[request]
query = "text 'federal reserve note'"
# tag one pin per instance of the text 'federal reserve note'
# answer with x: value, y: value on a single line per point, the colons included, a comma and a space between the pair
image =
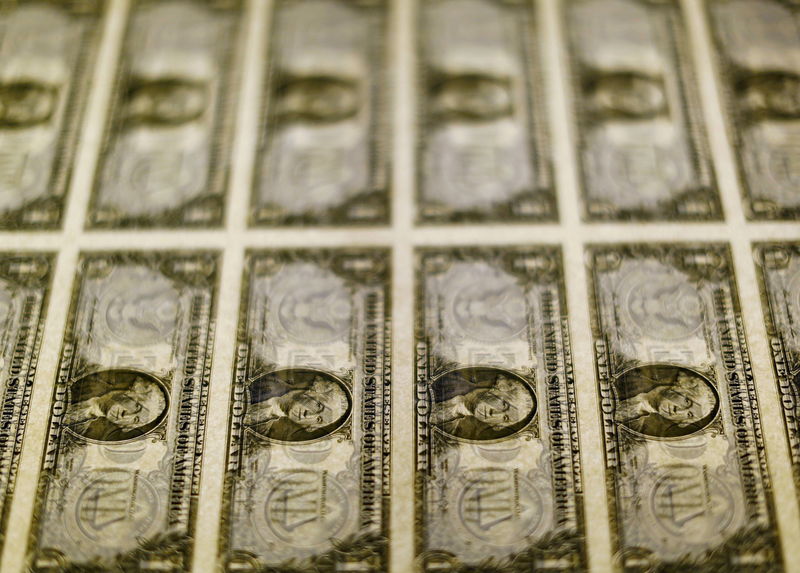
x: 685, y: 462
x: 307, y: 483
x: 758, y: 48
x: 322, y: 156
x: 121, y: 469
x: 24, y: 292
x: 482, y: 153
x: 498, y: 478
x: 47, y: 49
x: 642, y: 151
x: 779, y: 266
x: 165, y: 157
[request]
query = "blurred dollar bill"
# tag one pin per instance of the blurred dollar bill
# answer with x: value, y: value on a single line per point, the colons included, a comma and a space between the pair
x: 642, y: 151
x: 24, y: 291
x: 322, y: 156
x: 165, y: 157
x: 685, y: 460
x: 307, y: 482
x: 497, y: 458
x: 758, y: 48
x: 779, y: 266
x: 482, y: 153
x: 121, y: 468
x: 47, y: 49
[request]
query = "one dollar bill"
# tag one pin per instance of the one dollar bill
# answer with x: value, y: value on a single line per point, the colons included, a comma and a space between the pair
x: 758, y: 51
x: 120, y: 475
x: 24, y: 292
x: 686, y: 470
x: 307, y: 483
x: 322, y: 157
x: 47, y: 49
x: 482, y: 151
x: 498, y: 478
x: 642, y: 150
x: 779, y: 266
x: 166, y: 152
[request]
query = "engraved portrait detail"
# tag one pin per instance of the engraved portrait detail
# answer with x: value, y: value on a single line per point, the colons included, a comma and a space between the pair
x: 297, y: 405
x: 480, y: 404
x: 319, y: 99
x: 471, y: 97
x: 115, y: 405
x: 770, y: 95
x: 165, y: 102
x: 625, y: 95
x: 665, y: 401
x: 26, y: 104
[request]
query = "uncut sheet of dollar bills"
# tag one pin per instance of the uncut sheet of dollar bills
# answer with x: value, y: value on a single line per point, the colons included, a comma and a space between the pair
x: 424, y: 286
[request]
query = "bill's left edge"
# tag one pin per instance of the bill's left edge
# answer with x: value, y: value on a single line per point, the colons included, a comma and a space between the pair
x: 498, y: 475
x: 779, y: 273
x: 25, y: 281
x: 121, y: 467
x: 307, y: 482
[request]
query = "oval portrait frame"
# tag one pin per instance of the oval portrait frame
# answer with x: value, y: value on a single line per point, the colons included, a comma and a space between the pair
x: 520, y: 426
x: 151, y: 427
x: 709, y: 419
x: 330, y: 429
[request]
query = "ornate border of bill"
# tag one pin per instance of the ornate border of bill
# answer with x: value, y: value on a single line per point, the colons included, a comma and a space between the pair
x: 399, y: 285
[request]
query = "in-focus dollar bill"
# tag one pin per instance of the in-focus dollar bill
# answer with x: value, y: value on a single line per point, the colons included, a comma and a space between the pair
x: 24, y: 292
x: 686, y: 471
x: 498, y: 478
x: 166, y: 154
x: 121, y: 468
x: 47, y: 49
x: 322, y: 156
x: 307, y: 483
x: 758, y: 51
x: 482, y: 151
x: 779, y: 266
x: 642, y: 150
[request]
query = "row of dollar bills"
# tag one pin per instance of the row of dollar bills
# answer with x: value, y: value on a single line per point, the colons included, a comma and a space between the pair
x: 497, y: 452
x: 447, y: 286
x: 323, y: 155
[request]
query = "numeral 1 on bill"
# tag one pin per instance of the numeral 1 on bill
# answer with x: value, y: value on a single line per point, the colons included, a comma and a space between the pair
x: 24, y: 291
x: 642, y: 151
x: 779, y: 266
x: 120, y: 476
x: 307, y: 483
x: 166, y: 153
x: 482, y: 153
x: 758, y: 51
x: 46, y: 59
x: 498, y: 479
x: 322, y: 157
x: 685, y: 460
